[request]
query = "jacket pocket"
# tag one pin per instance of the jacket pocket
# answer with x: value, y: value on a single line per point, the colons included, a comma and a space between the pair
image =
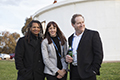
x: 22, y: 72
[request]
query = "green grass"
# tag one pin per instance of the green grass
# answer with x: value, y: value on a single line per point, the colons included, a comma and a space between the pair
x: 109, y: 71
x: 7, y: 70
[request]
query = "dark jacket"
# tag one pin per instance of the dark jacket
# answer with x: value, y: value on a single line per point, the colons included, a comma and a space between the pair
x: 89, y: 53
x: 28, y: 59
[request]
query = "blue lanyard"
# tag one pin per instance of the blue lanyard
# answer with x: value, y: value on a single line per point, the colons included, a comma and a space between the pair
x: 56, y: 46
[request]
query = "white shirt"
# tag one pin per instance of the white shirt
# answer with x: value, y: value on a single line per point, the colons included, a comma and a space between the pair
x: 75, y: 43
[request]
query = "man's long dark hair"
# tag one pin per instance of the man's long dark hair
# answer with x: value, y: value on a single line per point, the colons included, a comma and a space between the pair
x: 28, y: 33
x: 59, y: 33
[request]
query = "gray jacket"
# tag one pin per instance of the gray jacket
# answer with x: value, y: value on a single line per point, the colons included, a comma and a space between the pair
x: 50, y: 57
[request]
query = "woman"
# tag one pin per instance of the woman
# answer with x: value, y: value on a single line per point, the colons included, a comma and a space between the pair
x: 54, y: 49
x: 28, y: 57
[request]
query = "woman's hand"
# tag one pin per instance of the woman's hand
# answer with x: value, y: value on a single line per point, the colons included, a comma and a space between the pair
x: 59, y: 76
x: 61, y: 72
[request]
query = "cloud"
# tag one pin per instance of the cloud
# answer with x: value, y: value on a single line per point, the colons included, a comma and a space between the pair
x: 12, y: 17
x: 11, y: 29
x: 14, y: 12
x: 10, y: 2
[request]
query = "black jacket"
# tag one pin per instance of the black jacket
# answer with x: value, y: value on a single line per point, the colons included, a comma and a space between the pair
x: 89, y: 53
x: 28, y: 59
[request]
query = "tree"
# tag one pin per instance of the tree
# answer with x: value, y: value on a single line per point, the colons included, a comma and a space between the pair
x: 0, y: 44
x: 0, y: 49
x: 8, y: 42
x: 24, y: 29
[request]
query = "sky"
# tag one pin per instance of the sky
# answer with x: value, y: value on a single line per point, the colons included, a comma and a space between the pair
x: 14, y: 12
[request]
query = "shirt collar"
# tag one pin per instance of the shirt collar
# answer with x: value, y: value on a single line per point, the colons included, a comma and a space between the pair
x: 79, y: 35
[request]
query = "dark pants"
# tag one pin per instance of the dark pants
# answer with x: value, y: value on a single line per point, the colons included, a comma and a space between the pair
x: 74, y: 75
x: 50, y: 77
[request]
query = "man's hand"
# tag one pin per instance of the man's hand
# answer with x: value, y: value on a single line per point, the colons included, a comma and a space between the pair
x: 69, y: 59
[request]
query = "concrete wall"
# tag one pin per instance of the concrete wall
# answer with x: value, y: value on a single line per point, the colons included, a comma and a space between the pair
x: 100, y: 15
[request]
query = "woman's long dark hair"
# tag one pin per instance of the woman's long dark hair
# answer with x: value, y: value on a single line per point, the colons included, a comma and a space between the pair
x: 59, y: 33
x: 28, y: 34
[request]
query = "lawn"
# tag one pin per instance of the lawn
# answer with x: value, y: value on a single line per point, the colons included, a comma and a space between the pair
x: 7, y: 70
x: 109, y: 71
